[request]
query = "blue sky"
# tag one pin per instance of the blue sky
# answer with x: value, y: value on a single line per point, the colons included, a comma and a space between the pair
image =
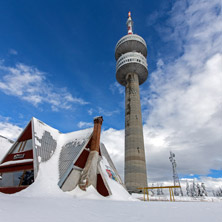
x: 72, y: 43
x: 57, y: 64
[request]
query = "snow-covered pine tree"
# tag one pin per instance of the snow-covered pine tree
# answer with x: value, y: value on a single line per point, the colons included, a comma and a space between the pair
x: 199, y: 192
x: 188, y: 189
x: 218, y: 192
x: 194, y: 189
x: 152, y: 191
x: 158, y: 190
x: 161, y: 189
x: 204, y: 191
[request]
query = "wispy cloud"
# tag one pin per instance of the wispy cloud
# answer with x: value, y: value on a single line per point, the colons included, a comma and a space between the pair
x: 107, y: 112
x: 85, y: 124
x: 13, y: 52
x: 116, y: 87
x: 31, y: 85
x: 102, y: 112
x: 90, y: 111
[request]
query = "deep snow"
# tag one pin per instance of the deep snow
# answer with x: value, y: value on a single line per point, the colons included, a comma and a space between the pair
x: 67, y: 208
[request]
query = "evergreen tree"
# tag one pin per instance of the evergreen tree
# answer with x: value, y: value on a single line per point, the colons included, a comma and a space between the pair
x: 158, y: 190
x: 188, y: 189
x: 204, y: 189
x: 194, y: 194
x: 218, y: 192
x: 152, y: 191
x: 161, y: 190
x: 199, y: 190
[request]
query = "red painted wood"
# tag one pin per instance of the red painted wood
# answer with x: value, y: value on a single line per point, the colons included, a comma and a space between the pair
x: 16, y: 167
x: 28, y: 155
x: 89, y: 146
x: 81, y: 161
x: 101, y: 188
x: 10, y: 190
x: 27, y: 134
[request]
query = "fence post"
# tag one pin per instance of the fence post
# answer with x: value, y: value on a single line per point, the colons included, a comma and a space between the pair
x: 170, y: 194
x: 148, y: 199
x: 144, y: 194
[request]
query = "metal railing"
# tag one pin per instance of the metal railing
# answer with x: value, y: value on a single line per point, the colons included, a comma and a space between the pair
x: 130, y: 37
x: 131, y: 57
x: 146, y: 191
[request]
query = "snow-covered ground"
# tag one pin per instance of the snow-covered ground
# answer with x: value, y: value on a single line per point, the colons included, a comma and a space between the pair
x: 65, y: 208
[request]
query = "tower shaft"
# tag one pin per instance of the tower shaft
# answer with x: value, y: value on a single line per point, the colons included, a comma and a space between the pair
x: 135, y: 163
x: 132, y: 71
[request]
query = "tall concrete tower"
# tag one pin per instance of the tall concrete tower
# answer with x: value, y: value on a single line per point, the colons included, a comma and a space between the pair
x: 132, y: 71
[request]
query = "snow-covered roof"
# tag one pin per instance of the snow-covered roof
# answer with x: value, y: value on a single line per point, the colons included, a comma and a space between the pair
x: 5, y: 145
x: 73, y: 144
x: 46, y: 140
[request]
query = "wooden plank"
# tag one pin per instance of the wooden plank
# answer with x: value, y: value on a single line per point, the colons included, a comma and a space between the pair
x: 16, y: 167
x: 10, y: 190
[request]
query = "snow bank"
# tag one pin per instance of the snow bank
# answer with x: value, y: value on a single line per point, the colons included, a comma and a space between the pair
x: 57, y: 209
x: 47, y: 180
x: 90, y: 193
x: 118, y: 191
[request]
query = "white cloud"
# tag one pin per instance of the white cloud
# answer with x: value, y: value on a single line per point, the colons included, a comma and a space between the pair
x: 107, y: 112
x: 182, y: 108
x: 117, y: 87
x: 186, y: 99
x: 102, y: 112
x: 84, y: 124
x: 31, y: 85
x: 90, y: 112
x: 114, y: 142
x: 9, y: 130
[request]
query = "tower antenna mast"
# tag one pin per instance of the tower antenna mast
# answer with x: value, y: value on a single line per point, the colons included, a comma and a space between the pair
x: 175, y: 175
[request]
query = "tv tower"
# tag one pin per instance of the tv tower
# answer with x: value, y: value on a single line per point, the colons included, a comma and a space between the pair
x: 175, y: 175
x: 132, y: 71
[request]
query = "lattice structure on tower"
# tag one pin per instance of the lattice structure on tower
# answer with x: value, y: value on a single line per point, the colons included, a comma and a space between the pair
x: 177, y: 191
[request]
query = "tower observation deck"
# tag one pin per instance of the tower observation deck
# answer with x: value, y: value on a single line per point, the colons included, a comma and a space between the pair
x: 132, y: 71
